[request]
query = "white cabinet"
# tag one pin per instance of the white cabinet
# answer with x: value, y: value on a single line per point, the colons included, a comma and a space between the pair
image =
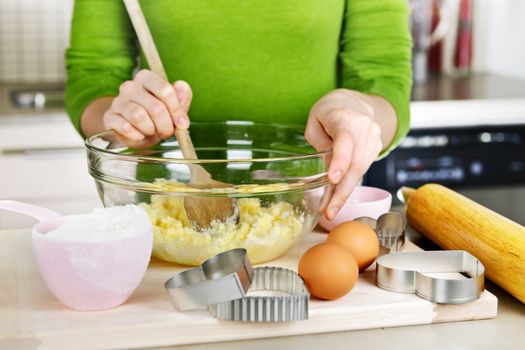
x: 43, y: 162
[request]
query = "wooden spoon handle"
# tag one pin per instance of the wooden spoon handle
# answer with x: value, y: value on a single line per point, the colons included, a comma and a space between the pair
x: 145, y: 39
x: 185, y: 144
x: 152, y: 56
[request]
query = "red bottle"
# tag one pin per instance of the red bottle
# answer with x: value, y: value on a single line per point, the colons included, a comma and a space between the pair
x: 463, y: 52
x: 435, y: 52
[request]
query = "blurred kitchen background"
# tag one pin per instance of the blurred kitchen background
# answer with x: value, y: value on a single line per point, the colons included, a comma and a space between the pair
x: 468, y: 109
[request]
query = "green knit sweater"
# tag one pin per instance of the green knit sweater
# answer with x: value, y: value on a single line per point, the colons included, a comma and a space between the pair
x: 260, y: 60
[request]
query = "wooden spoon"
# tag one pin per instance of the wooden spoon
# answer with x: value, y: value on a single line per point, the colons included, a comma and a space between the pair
x: 201, y: 211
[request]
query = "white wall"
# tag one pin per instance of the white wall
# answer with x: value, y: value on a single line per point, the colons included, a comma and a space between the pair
x: 33, y: 35
x: 499, y: 37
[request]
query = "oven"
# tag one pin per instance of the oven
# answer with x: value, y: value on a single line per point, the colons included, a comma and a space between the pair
x: 480, y: 155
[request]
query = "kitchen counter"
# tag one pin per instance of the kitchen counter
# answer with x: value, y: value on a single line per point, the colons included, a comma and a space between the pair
x: 442, y: 102
x: 29, y: 99
x: 503, y: 332
x: 474, y: 100
x: 470, y: 87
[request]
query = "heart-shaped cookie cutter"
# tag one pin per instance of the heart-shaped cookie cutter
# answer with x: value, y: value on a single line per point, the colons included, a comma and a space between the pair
x: 390, y: 229
x: 411, y: 272
x: 221, y: 278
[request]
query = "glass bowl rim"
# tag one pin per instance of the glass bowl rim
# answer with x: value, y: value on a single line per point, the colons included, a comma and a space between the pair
x: 88, y: 142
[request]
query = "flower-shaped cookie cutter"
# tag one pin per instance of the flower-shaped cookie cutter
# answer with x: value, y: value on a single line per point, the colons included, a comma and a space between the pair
x: 390, y: 229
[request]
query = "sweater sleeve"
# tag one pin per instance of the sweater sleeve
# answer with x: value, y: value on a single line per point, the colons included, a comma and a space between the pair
x: 376, y: 55
x: 102, y: 54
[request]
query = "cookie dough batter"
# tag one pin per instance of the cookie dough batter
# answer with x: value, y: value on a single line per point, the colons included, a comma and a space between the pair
x: 265, y: 232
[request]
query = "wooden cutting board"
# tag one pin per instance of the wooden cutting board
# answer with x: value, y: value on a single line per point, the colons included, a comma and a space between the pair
x: 31, y: 318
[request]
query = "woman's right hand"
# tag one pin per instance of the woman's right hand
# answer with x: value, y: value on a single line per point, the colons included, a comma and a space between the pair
x: 148, y: 109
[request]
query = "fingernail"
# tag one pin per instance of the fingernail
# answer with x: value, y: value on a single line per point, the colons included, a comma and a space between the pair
x: 331, y: 212
x: 180, y: 89
x: 183, y: 122
x: 336, y: 176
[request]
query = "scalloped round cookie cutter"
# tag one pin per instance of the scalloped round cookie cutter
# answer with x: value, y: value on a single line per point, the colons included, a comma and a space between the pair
x: 276, y: 295
x: 414, y: 272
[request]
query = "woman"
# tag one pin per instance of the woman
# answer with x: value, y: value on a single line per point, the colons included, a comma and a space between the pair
x: 341, y: 68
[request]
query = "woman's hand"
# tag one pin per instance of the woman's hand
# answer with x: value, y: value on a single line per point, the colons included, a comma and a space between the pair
x: 148, y: 109
x: 344, y: 120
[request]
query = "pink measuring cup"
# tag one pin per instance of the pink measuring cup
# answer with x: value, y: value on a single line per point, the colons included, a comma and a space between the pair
x: 86, y: 275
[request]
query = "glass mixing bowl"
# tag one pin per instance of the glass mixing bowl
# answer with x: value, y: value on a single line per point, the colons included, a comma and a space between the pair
x: 276, y: 178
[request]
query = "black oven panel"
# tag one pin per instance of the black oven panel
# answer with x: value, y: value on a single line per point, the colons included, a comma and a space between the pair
x: 458, y: 158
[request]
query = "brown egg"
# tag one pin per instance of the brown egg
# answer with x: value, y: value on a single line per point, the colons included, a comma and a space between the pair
x: 359, y: 239
x: 328, y: 271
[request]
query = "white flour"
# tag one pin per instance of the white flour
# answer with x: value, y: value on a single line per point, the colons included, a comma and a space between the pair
x: 104, y: 224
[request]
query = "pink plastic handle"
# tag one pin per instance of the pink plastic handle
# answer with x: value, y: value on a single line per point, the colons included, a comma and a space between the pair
x: 39, y: 213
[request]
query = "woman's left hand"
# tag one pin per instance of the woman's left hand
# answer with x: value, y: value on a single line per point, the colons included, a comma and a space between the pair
x: 344, y: 121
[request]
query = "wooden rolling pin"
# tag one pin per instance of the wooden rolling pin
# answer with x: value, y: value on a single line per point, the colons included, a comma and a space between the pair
x: 456, y: 222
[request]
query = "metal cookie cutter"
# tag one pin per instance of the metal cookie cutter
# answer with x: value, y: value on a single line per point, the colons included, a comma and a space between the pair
x: 276, y: 295
x: 225, y: 276
x: 408, y: 272
x: 390, y: 230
